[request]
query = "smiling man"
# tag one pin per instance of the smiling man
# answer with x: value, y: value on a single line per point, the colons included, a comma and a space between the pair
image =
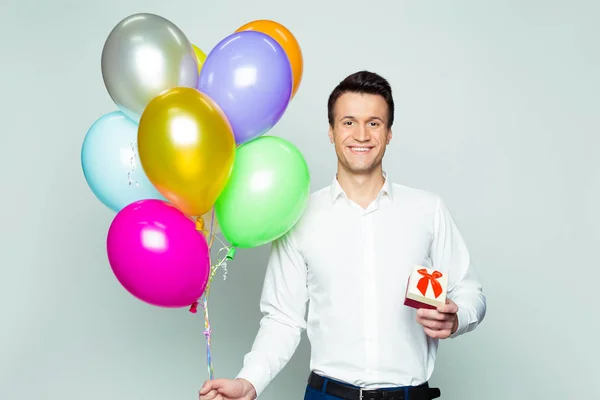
x: 348, y: 260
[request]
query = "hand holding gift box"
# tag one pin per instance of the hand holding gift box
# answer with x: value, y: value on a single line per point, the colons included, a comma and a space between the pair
x: 426, y: 288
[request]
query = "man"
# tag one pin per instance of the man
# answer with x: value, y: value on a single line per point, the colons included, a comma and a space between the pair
x: 349, y: 258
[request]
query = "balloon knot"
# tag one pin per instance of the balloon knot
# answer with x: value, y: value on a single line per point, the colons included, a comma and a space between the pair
x: 231, y: 254
x: 200, y: 224
x: 194, y: 307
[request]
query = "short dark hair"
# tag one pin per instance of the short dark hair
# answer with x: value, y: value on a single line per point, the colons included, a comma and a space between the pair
x: 363, y: 82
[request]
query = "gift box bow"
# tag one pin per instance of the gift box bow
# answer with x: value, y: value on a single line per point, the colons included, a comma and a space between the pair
x: 430, y: 278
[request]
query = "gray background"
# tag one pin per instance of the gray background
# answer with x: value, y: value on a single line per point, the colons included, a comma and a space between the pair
x: 497, y: 111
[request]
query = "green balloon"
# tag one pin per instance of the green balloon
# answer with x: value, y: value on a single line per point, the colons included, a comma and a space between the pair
x: 266, y: 194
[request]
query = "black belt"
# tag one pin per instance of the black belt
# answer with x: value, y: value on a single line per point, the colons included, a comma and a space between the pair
x: 421, y: 392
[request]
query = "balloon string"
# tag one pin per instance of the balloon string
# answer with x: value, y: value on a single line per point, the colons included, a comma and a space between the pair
x: 132, y: 165
x: 212, y: 226
x: 213, y: 271
x: 215, y: 268
x: 208, y: 334
x: 207, y: 327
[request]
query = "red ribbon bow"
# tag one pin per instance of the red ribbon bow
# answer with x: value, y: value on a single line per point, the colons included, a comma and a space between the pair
x: 435, y: 284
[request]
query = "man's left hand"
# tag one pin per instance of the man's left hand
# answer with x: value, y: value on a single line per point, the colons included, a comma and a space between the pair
x: 440, y: 323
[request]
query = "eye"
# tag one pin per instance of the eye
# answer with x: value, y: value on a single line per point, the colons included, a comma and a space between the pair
x: 347, y: 123
x: 374, y: 124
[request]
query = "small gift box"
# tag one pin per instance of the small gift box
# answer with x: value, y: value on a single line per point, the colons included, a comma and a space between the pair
x: 426, y: 288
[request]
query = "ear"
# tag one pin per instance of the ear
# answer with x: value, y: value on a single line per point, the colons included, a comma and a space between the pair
x: 389, y: 136
x: 330, y: 134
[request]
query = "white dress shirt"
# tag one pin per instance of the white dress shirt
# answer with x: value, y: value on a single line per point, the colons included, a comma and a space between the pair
x: 350, y: 265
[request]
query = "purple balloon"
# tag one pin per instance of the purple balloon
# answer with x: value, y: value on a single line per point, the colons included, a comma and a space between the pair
x: 248, y: 74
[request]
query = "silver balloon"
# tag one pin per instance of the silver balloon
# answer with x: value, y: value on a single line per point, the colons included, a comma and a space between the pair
x: 144, y: 55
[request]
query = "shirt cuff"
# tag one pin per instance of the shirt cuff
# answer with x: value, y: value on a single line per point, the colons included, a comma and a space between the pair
x: 256, y: 376
x: 463, y: 321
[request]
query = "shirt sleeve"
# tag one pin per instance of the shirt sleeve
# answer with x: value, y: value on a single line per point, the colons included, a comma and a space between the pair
x: 283, y: 305
x: 449, y: 253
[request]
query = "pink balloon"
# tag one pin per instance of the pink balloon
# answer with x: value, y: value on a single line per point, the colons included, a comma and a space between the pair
x: 157, y: 255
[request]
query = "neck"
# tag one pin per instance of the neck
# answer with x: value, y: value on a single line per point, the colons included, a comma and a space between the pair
x: 361, y: 188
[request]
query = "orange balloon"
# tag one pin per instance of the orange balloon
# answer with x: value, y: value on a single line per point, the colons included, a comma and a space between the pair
x: 286, y: 39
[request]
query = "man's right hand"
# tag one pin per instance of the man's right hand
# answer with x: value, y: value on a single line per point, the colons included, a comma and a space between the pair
x: 227, y: 389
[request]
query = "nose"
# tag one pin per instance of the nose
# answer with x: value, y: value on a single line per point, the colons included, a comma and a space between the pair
x: 361, y: 134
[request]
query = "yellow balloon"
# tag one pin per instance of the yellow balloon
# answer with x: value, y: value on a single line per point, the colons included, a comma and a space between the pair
x: 187, y: 148
x: 200, y: 56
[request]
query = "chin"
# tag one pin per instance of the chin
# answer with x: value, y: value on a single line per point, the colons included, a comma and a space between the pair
x: 360, y: 169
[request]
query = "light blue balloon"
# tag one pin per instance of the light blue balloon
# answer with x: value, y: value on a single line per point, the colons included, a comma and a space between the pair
x: 111, y: 164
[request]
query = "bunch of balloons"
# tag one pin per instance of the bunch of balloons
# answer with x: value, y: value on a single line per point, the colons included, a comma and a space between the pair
x: 187, y: 145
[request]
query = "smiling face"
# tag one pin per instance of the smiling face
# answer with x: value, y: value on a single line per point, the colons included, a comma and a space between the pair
x: 360, y: 131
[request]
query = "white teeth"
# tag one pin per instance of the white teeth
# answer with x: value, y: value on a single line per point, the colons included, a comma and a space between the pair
x: 360, y: 149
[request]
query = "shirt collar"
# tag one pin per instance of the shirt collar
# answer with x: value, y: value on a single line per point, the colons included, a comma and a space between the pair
x: 337, y: 191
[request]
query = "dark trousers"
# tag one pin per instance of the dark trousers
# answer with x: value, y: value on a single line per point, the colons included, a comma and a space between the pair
x: 312, y: 393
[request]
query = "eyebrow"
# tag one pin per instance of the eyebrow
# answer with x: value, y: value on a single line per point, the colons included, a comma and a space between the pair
x: 371, y: 117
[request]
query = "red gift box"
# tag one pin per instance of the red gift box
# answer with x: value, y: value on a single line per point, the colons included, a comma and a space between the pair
x: 426, y: 288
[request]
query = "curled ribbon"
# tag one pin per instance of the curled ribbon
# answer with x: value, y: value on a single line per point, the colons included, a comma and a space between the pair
x: 433, y: 278
x: 201, y: 228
